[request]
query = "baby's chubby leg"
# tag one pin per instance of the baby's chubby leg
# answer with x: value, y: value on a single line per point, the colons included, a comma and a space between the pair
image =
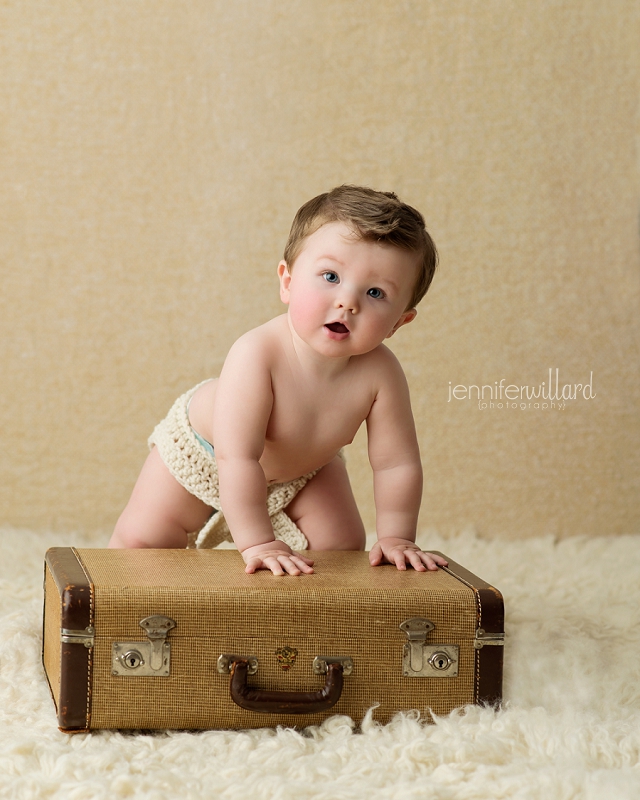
x: 160, y: 511
x: 326, y: 511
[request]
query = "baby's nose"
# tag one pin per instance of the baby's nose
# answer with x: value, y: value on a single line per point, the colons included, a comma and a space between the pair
x: 347, y: 299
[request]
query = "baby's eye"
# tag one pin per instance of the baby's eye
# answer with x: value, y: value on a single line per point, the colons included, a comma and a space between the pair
x: 330, y: 277
x: 376, y: 293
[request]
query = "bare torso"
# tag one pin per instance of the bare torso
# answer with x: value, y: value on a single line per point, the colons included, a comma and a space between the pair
x: 312, y: 416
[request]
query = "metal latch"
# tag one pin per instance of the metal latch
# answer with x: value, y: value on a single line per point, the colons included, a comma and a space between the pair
x: 85, y: 637
x: 483, y: 638
x: 421, y: 660
x: 148, y: 659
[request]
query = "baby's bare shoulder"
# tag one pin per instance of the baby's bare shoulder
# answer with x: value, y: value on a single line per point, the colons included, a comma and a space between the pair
x: 260, y: 343
x: 382, y: 364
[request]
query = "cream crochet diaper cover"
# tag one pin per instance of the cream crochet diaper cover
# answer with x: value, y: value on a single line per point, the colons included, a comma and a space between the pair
x: 196, y: 469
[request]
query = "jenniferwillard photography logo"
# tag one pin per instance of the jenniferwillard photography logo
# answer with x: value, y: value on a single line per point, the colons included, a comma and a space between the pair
x: 549, y: 394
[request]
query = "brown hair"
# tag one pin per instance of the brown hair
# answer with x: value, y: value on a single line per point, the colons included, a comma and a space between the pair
x: 374, y: 216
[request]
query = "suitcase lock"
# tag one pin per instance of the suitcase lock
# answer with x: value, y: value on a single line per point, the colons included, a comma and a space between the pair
x: 421, y: 660
x: 148, y: 659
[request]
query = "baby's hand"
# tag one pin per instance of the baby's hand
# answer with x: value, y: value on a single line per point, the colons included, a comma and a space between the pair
x: 276, y: 556
x: 402, y: 552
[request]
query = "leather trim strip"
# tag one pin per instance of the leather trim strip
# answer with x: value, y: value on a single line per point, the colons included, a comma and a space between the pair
x: 76, y: 660
x: 490, y: 609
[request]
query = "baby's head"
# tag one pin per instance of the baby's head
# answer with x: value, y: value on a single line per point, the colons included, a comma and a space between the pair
x: 373, y: 216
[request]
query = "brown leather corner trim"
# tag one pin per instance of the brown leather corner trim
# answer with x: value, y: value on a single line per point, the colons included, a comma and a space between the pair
x: 76, y: 660
x: 490, y: 666
x: 491, y: 605
x: 490, y: 609
x: 74, y: 587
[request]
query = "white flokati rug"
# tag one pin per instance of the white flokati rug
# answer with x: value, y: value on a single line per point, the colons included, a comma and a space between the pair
x: 570, y: 727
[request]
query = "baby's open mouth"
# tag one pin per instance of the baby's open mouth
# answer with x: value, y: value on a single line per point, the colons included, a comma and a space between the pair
x: 337, y: 327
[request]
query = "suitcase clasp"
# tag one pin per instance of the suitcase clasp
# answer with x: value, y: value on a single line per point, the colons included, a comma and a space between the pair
x: 157, y: 628
x: 416, y: 630
x: 421, y: 660
x: 149, y: 659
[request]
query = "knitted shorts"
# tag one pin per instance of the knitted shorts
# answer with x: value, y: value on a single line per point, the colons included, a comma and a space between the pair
x: 196, y: 469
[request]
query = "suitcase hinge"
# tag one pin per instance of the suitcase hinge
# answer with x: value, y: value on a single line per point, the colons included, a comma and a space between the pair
x: 483, y: 638
x: 85, y: 637
x: 146, y: 659
x: 422, y: 660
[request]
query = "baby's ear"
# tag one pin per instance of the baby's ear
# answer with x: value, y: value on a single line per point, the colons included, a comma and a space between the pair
x: 285, y: 280
x: 405, y: 319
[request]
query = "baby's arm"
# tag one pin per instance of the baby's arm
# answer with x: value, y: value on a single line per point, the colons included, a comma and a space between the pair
x: 397, y: 472
x: 242, y: 407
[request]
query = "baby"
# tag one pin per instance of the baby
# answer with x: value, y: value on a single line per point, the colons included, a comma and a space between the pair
x: 292, y: 393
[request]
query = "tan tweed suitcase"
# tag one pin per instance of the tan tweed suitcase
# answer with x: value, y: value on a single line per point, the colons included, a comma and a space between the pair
x: 153, y: 639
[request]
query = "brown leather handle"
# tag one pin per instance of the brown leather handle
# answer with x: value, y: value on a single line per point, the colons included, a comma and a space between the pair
x: 271, y: 702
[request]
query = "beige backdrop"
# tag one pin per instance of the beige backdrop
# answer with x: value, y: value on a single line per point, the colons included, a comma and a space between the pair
x: 153, y: 155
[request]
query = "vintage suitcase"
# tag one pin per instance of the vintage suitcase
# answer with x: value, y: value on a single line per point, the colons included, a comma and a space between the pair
x: 154, y: 639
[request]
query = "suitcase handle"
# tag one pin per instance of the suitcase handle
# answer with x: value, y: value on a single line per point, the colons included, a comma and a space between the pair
x: 272, y: 702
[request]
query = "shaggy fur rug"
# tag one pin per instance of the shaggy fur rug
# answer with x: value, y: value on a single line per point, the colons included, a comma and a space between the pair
x: 570, y: 726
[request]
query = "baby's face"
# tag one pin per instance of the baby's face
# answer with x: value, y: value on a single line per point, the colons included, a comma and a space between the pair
x: 347, y: 295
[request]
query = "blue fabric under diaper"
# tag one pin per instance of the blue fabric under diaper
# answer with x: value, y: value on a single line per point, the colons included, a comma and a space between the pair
x: 207, y: 445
